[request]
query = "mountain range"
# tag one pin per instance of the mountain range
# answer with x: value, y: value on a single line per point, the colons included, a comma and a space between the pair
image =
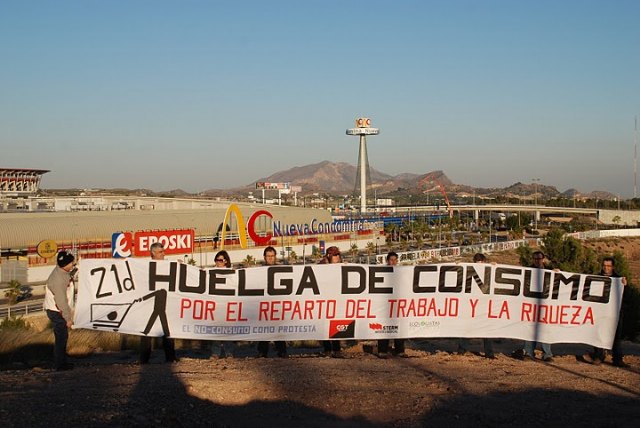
x: 339, y: 178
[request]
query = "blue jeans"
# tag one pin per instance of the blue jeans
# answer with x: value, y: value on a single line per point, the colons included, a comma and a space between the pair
x: 529, y: 347
x: 61, y: 334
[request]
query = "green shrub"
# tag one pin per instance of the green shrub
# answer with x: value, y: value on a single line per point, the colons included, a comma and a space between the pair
x: 16, y: 323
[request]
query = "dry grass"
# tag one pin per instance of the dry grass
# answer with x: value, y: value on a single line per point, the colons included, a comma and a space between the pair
x: 33, y: 346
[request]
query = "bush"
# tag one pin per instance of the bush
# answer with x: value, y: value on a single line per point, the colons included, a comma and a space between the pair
x: 569, y: 255
x: 13, y: 291
x: 14, y: 323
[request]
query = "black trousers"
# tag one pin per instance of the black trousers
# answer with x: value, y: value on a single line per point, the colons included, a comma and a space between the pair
x: 61, y: 334
x: 398, y: 346
x: 280, y: 345
x: 331, y: 345
x: 167, y: 344
x: 616, y: 349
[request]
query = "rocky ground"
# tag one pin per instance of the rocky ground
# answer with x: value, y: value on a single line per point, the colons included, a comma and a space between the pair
x: 432, y: 386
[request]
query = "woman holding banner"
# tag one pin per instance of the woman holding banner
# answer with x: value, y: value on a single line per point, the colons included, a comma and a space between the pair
x: 332, y: 348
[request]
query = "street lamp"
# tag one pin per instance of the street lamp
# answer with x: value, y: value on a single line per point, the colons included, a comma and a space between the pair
x: 535, y: 198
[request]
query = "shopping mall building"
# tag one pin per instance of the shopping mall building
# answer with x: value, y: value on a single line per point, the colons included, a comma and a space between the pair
x: 192, y: 230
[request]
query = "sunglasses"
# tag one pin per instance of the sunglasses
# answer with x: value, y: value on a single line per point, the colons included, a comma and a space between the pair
x: 221, y: 260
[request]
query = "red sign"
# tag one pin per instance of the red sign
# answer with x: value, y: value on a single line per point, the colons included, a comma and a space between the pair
x: 173, y: 241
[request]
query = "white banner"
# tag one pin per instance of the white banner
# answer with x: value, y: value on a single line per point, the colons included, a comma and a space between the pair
x: 347, y: 301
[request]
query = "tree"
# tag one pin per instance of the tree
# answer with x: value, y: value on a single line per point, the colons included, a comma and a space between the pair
x: 354, y: 251
x: 293, y: 257
x: 371, y: 248
x: 616, y: 220
x: 13, y: 291
x: 249, y: 260
x: 568, y: 254
x: 315, y: 253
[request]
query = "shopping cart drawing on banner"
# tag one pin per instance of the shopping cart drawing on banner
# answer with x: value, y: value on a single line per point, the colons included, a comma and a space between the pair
x: 109, y: 315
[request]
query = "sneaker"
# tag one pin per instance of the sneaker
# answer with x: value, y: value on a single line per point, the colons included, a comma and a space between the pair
x: 547, y: 359
x: 383, y: 355
x: 337, y: 354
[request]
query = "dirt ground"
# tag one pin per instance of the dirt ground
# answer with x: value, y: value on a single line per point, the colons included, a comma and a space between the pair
x: 432, y: 386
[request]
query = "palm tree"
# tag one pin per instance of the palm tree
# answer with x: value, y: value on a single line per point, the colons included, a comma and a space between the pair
x: 13, y: 291
x: 354, y: 251
x: 249, y: 260
x: 371, y: 249
x: 315, y: 253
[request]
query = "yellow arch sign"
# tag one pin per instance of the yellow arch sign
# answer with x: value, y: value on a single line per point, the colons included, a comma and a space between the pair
x: 242, y: 230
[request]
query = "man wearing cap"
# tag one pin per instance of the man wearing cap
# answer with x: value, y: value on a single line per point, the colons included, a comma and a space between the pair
x: 57, y: 302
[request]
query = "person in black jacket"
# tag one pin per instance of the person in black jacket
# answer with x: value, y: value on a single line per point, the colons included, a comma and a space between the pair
x: 598, y: 355
x: 269, y: 255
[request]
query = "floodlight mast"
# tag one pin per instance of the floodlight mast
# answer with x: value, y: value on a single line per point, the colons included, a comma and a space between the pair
x: 362, y: 129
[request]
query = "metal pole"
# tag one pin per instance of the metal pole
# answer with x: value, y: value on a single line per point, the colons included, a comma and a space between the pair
x: 363, y: 175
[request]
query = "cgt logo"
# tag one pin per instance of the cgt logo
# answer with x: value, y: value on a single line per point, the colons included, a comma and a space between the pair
x: 121, y: 245
x: 342, y: 329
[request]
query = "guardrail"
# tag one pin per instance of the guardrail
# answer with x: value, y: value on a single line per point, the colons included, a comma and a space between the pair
x: 21, y: 310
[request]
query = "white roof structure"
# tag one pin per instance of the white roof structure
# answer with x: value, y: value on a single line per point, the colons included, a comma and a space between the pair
x: 20, y: 181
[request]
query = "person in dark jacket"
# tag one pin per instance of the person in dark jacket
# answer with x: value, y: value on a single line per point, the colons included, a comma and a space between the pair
x: 599, y: 354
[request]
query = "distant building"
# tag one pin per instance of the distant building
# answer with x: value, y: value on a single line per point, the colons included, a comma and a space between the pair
x: 20, y: 181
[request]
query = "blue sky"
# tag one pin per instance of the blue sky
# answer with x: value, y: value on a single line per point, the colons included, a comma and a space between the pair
x: 216, y: 94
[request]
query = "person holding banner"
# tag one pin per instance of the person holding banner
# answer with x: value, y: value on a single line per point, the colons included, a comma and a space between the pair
x: 222, y: 259
x: 598, y: 355
x: 157, y: 253
x: 463, y: 343
x: 332, y: 348
x: 528, y: 352
x: 398, y: 344
x: 269, y: 255
x: 58, y: 298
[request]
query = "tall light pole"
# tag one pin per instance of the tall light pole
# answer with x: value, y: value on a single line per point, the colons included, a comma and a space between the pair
x: 363, y: 128
x: 535, y: 198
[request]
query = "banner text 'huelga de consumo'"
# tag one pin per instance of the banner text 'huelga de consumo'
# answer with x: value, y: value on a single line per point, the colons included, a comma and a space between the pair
x: 345, y: 301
